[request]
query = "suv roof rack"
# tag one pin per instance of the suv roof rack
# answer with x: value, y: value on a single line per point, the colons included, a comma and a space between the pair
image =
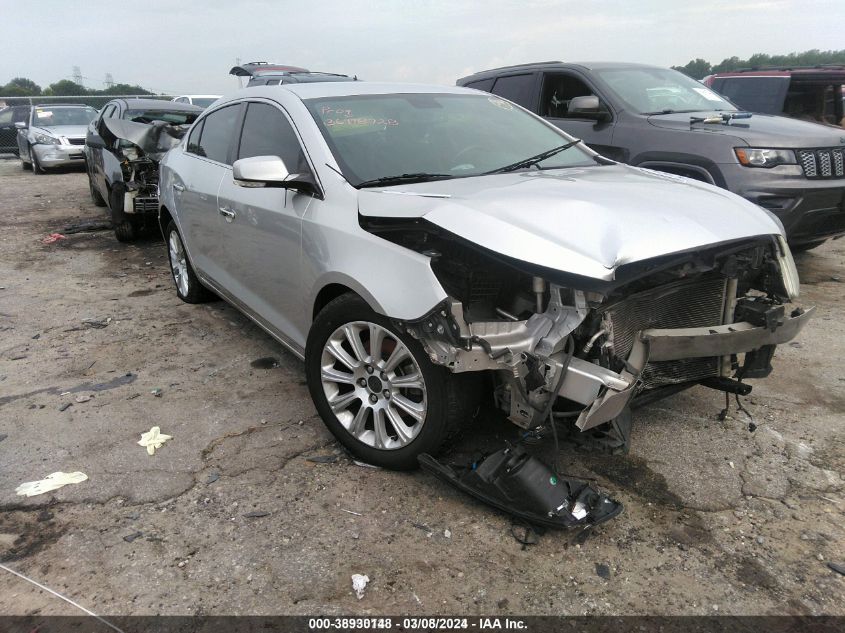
x: 251, y: 68
x: 752, y: 69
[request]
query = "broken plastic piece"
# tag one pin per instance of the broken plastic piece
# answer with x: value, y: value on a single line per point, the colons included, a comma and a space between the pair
x: 51, y: 482
x: 53, y: 237
x: 359, y: 584
x: 523, y: 486
x: 153, y: 439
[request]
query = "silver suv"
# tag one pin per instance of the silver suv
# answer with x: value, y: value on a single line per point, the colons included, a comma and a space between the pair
x: 406, y: 240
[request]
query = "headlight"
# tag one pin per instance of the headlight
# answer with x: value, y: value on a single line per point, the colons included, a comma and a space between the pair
x: 46, y: 139
x: 788, y: 272
x: 756, y: 157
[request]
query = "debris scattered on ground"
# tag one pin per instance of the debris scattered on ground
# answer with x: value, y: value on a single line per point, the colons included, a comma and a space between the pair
x: 267, y: 362
x: 66, y: 406
x: 839, y: 568
x: 322, y: 459
x: 96, y: 324
x: 53, y: 237
x: 602, y: 570
x: 365, y: 465
x: 51, y: 482
x: 157, y: 392
x: 447, y: 533
x: 131, y: 537
x: 256, y: 514
x: 17, y: 357
x: 153, y: 439
x: 44, y: 515
x: 3, y: 436
x: 87, y: 227
x: 37, y: 336
x: 133, y: 396
x: 423, y: 527
x: 82, y: 398
x: 359, y: 584
x: 212, y: 477
x: 357, y: 514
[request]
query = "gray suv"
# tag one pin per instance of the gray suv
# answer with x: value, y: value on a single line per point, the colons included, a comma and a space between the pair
x: 661, y: 119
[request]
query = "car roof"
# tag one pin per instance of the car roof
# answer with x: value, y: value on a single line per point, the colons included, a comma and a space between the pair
x: 552, y: 65
x: 198, y: 96
x: 345, y: 89
x: 159, y: 104
x: 833, y: 69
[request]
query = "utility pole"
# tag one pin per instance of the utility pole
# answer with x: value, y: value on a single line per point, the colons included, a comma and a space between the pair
x: 109, y: 82
x: 77, y: 75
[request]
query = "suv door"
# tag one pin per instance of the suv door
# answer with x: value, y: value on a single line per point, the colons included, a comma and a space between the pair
x: 262, y: 225
x: 556, y: 92
x: 206, y: 162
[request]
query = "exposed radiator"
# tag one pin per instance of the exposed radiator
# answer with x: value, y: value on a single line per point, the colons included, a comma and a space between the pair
x: 681, y: 304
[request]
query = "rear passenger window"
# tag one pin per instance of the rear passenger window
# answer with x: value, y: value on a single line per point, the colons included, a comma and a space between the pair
x: 194, y: 139
x: 517, y: 88
x: 218, y: 128
x: 267, y: 132
x: 755, y: 94
x: 484, y: 84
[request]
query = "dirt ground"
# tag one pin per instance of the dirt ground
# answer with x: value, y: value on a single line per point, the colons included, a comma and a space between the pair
x: 231, y: 517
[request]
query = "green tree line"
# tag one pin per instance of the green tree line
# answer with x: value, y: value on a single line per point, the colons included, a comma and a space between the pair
x: 700, y: 68
x: 23, y: 87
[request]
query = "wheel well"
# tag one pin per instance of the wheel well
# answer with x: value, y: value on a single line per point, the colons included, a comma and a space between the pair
x: 164, y: 218
x: 328, y: 294
x: 693, y: 172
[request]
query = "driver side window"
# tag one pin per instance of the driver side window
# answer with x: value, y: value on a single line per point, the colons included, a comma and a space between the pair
x: 267, y: 132
x: 558, y: 91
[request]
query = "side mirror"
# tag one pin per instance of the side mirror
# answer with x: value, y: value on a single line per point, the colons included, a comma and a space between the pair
x: 587, y: 107
x: 270, y: 171
x: 21, y: 125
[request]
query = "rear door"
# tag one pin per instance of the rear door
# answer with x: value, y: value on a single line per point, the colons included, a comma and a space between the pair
x: 262, y: 225
x: 206, y: 161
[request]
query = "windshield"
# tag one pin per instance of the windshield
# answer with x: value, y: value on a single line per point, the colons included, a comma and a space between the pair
x: 178, y: 117
x: 447, y: 135
x: 659, y: 90
x: 51, y: 117
x: 203, y: 102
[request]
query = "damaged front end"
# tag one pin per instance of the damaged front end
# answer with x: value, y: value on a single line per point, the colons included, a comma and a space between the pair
x: 140, y: 148
x: 571, y: 348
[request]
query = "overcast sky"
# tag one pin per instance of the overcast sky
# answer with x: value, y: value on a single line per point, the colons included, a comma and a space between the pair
x: 188, y: 46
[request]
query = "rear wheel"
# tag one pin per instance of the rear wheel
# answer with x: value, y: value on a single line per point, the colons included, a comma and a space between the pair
x: 376, y: 389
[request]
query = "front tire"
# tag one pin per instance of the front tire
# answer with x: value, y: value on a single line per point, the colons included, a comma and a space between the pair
x: 376, y: 389
x: 188, y: 286
x: 36, y: 166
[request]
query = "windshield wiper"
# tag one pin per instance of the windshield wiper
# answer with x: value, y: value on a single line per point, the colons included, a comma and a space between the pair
x: 533, y: 160
x: 403, y: 178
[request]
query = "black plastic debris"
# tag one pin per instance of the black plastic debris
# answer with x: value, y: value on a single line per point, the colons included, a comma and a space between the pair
x: 65, y: 406
x: 256, y: 514
x: 603, y: 570
x: 3, y: 436
x: 839, y: 568
x: 212, y: 477
x: 131, y: 537
x: 525, y: 487
x: 267, y: 362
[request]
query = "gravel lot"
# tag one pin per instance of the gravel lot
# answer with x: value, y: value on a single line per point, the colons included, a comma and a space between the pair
x: 231, y: 517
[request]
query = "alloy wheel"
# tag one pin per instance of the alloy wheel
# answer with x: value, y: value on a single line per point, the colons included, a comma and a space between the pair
x: 373, y: 385
x: 178, y: 263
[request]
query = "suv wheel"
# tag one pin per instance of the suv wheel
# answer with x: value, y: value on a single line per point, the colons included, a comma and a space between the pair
x: 188, y: 287
x: 376, y: 389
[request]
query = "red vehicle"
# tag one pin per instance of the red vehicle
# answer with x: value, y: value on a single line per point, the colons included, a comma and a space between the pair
x: 808, y: 93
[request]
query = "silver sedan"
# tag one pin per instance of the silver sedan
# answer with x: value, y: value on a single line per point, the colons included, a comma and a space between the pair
x: 408, y: 240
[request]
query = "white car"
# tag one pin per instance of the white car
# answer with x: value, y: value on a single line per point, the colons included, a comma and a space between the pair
x: 202, y: 101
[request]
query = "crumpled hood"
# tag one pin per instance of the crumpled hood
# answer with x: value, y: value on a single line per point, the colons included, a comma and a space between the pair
x: 154, y: 139
x: 73, y: 131
x: 585, y: 221
x: 761, y: 130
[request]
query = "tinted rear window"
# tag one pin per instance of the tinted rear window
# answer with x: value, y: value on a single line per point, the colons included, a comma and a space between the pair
x: 755, y: 94
x: 516, y: 88
x: 217, y: 132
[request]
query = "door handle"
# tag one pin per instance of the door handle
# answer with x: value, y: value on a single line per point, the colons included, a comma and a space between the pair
x: 178, y: 187
x: 227, y: 213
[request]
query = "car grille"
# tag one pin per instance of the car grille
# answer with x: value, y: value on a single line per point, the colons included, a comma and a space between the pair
x: 683, y: 304
x: 76, y: 141
x: 822, y: 163
x: 146, y: 205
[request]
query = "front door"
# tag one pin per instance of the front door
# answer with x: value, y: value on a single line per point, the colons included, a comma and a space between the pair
x: 263, y: 225
x: 556, y: 92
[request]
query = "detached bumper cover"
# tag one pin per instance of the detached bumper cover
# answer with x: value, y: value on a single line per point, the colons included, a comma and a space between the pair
x: 720, y: 340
